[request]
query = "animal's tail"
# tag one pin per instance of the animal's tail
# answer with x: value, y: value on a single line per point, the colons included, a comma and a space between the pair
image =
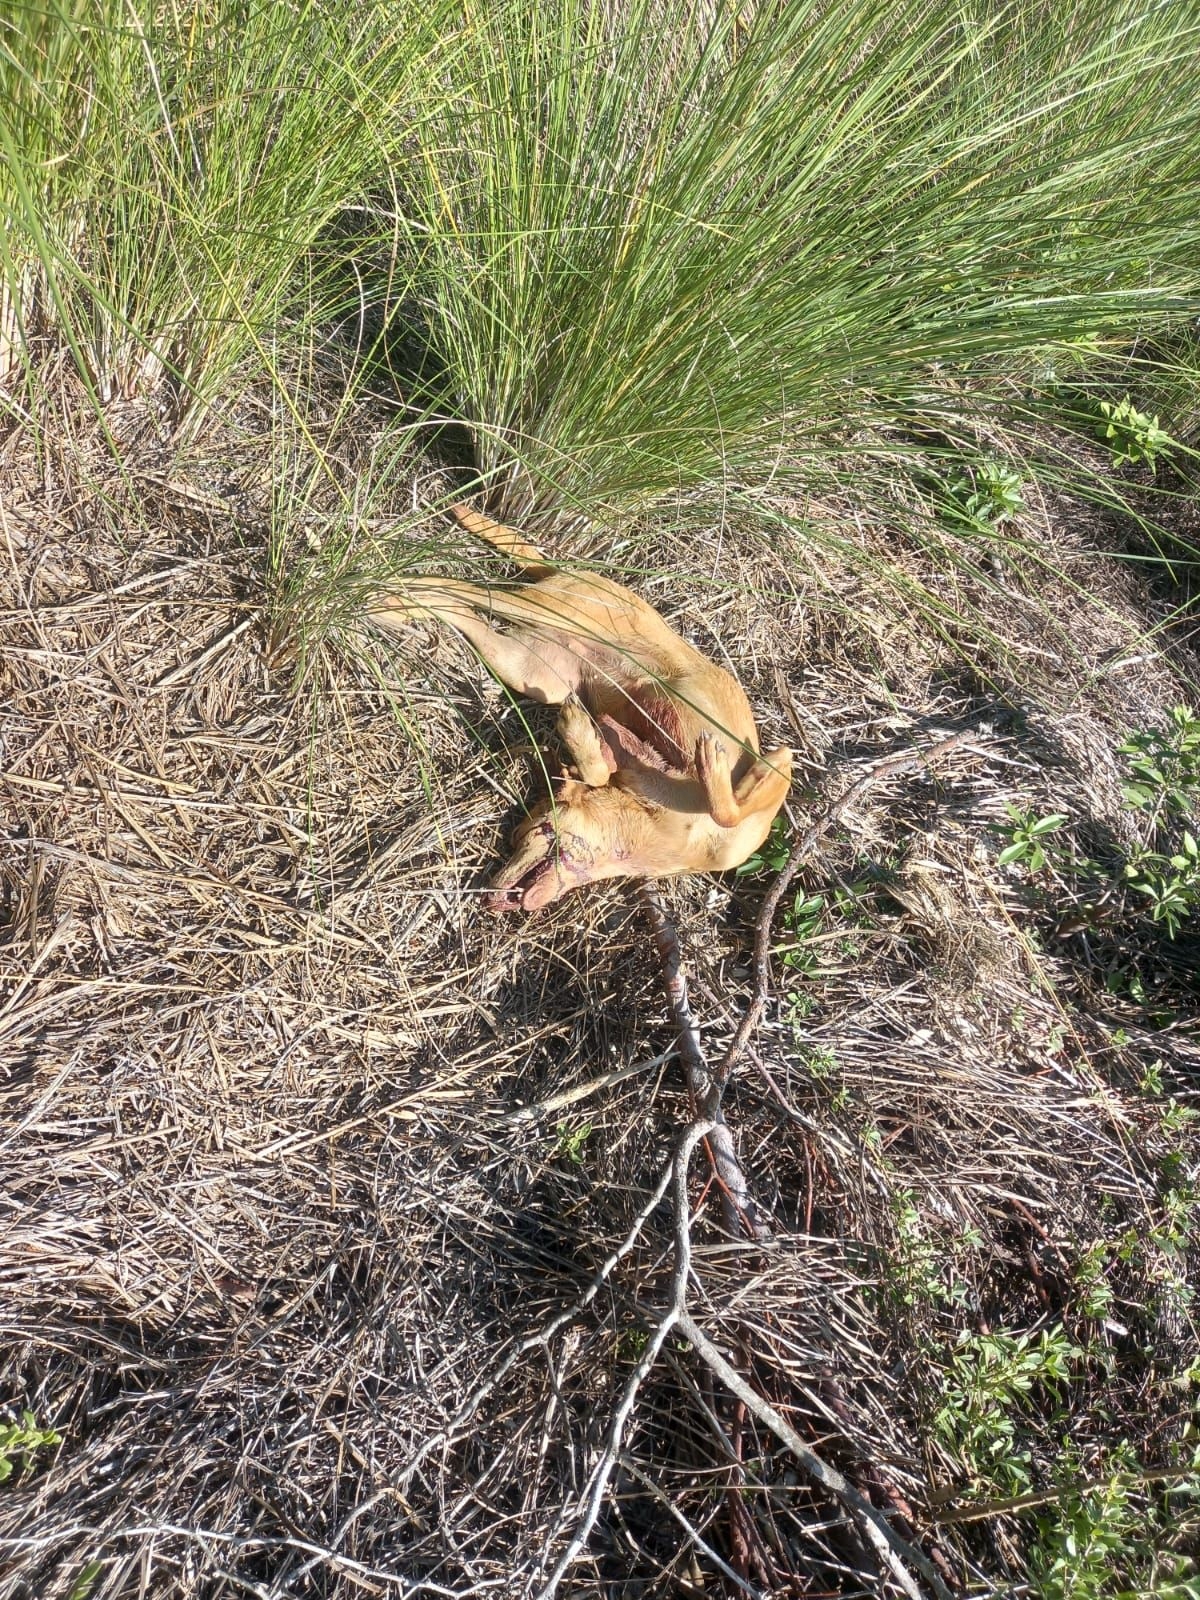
x: 507, y: 540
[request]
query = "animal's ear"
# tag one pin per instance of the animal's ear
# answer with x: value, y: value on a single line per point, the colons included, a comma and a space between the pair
x: 766, y: 784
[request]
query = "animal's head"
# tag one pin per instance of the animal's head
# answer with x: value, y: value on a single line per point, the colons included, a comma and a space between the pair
x: 580, y: 835
x: 584, y: 835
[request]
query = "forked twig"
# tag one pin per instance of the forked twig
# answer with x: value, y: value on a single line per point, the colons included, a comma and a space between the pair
x: 603, y: 1470
x: 895, y: 1554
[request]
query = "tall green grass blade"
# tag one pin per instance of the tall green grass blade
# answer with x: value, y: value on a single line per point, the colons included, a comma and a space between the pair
x: 663, y: 243
x: 169, y: 170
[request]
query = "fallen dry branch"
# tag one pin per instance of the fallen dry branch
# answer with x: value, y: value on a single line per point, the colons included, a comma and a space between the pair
x: 895, y: 1553
x: 739, y: 1214
x: 738, y: 1210
x: 593, y: 1497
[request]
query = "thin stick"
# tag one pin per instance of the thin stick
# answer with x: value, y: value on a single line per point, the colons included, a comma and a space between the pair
x: 631, y: 1467
x: 802, y: 847
x: 706, y: 1089
x: 738, y: 1211
x: 895, y: 1553
x: 1045, y: 1497
x: 611, y: 1454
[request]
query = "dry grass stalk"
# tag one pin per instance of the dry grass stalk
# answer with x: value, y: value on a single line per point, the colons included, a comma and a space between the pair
x: 333, y: 1216
x: 801, y: 849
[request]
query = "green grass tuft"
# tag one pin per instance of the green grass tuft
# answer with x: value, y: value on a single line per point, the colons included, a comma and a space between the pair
x: 663, y: 245
x: 168, y: 171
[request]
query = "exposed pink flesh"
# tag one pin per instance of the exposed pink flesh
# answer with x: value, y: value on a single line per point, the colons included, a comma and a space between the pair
x: 513, y: 896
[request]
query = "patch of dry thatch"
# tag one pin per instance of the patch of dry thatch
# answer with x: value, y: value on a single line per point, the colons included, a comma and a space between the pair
x: 298, y: 1146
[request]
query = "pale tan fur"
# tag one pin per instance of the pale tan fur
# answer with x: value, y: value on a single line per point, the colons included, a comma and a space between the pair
x: 670, y: 778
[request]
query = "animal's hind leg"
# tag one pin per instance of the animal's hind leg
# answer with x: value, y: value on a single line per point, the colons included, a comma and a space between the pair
x: 765, y: 786
x: 540, y: 670
x: 761, y: 788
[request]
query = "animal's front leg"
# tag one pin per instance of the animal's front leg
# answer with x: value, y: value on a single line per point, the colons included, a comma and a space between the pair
x: 584, y: 745
x: 712, y: 768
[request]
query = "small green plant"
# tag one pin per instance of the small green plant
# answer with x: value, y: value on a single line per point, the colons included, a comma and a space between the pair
x: 84, y: 1583
x: 1131, y: 435
x: 991, y: 1378
x: 1173, y: 1233
x: 1170, y: 883
x: 1164, y: 765
x: 798, y: 1006
x: 1111, y: 1542
x: 821, y: 1063
x: 811, y: 920
x: 1091, y: 1281
x: 915, y: 1262
x: 1174, y: 1118
x: 1151, y: 1080
x: 1127, y: 983
x: 773, y: 854
x: 19, y: 1440
x: 803, y: 921
x: 631, y: 1342
x: 571, y: 1142
x: 1026, y: 837
x: 984, y: 494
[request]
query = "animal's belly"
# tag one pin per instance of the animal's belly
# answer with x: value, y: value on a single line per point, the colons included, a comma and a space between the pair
x: 641, y: 728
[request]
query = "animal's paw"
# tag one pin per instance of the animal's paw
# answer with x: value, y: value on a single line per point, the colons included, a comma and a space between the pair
x: 712, y: 768
x: 580, y: 735
x: 574, y: 720
x: 712, y: 758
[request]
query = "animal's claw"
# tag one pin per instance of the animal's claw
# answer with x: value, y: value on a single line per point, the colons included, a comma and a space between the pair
x: 711, y: 754
x: 571, y: 714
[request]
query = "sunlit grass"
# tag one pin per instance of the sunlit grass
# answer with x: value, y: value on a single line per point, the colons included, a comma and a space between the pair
x: 665, y: 244
x: 168, y: 171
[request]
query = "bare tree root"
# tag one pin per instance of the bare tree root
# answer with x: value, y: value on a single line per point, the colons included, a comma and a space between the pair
x: 898, y: 1558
